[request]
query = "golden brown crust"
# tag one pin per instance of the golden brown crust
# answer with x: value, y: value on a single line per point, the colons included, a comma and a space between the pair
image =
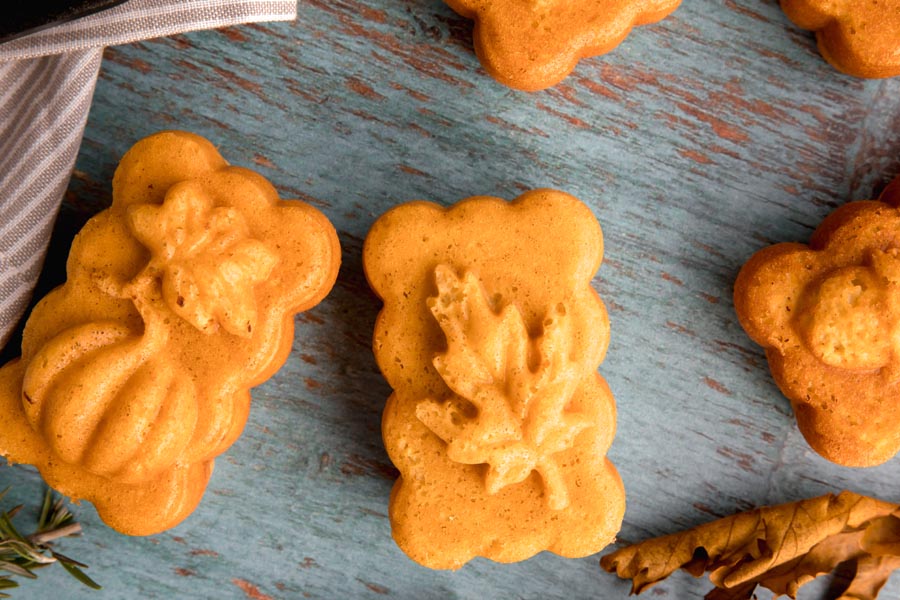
x: 827, y: 315
x: 490, y: 336
x: 857, y: 38
x: 135, y: 374
x: 533, y: 44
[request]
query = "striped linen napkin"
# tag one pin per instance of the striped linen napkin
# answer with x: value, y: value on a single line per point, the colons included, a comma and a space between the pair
x: 46, y: 83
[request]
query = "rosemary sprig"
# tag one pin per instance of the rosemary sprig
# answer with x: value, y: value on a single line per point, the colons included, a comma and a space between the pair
x: 20, y: 555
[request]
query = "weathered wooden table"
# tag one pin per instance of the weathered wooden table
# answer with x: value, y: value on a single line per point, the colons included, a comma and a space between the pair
x: 698, y: 141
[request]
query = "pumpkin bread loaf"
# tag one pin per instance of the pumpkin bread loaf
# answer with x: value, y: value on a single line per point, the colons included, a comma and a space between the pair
x: 491, y: 336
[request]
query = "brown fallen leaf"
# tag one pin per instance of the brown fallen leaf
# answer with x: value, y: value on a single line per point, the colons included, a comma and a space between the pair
x: 777, y: 547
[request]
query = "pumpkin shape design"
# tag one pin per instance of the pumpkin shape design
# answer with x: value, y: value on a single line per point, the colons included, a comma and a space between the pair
x: 142, y: 412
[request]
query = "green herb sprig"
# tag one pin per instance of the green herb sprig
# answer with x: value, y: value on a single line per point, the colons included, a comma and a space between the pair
x: 20, y: 555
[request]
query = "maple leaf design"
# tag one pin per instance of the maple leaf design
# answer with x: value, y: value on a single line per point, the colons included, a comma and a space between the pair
x: 780, y: 548
x: 504, y: 413
x: 206, y: 258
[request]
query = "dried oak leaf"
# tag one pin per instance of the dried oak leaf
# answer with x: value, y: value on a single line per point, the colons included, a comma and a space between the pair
x: 779, y: 548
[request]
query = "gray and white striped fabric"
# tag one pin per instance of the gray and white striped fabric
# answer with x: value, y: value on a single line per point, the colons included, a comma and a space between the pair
x: 46, y: 83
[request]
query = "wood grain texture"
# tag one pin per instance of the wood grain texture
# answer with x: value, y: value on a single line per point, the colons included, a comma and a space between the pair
x: 696, y: 142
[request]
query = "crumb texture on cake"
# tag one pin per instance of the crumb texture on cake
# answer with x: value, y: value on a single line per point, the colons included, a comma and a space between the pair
x: 858, y: 37
x: 828, y: 315
x: 136, y: 372
x: 534, y: 44
x: 491, y: 336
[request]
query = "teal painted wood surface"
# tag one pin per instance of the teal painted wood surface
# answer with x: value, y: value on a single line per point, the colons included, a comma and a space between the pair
x: 698, y: 141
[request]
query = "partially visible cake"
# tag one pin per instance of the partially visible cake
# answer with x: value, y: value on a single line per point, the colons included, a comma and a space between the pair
x: 534, y: 44
x: 136, y: 372
x: 860, y: 38
x: 828, y: 315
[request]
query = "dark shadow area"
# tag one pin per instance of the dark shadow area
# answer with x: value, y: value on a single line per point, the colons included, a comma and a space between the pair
x: 68, y: 223
x: 842, y: 578
x: 357, y: 308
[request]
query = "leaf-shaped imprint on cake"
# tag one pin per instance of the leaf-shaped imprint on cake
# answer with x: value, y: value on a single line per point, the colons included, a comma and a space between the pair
x: 511, y: 392
x: 101, y: 398
x: 208, y: 262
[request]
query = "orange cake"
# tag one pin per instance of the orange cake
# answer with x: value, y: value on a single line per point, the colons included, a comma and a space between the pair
x: 491, y: 336
x: 828, y: 315
x: 861, y: 38
x: 533, y: 44
x: 136, y: 372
